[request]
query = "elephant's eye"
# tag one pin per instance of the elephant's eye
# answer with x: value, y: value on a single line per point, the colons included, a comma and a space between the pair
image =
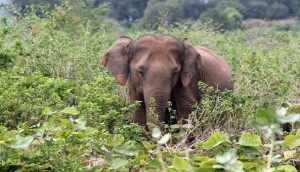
x: 174, y: 74
x: 140, y: 72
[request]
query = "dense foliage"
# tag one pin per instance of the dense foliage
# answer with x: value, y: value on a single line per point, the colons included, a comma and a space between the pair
x: 150, y: 13
x: 61, y: 111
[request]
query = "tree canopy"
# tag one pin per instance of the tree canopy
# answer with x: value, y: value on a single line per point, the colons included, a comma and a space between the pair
x: 150, y: 13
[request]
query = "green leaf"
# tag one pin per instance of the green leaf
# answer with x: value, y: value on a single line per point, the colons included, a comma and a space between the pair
x: 188, y: 126
x: 249, y: 139
x: 79, y: 135
x: 22, y: 142
x: 155, y: 163
x: 117, y: 163
x: 226, y: 157
x: 290, y: 118
x: 249, y: 152
x: 250, y: 165
x: 175, y: 126
x: 64, y: 123
x: 204, y: 169
x: 70, y: 111
x: 117, y: 140
x: 292, y: 141
x: 229, y: 161
x: 276, y: 159
x: 128, y: 148
x: 156, y: 133
x: 265, y: 118
x: 171, y: 170
x: 81, y: 124
x: 179, y: 163
x: 90, y: 131
x: 148, y: 145
x: 63, y: 133
x: 2, y: 129
x: 9, y: 135
x: 47, y: 111
x: 215, y: 140
x: 286, y: 168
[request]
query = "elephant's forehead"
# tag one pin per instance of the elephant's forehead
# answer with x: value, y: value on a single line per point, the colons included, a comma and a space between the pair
x: 158, y: 42
x: 157, y: 48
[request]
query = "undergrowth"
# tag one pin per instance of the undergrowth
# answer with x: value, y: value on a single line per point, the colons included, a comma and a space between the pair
x: 61, y: 111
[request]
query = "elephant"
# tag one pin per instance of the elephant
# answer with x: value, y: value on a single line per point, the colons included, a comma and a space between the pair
x: 166, y: 69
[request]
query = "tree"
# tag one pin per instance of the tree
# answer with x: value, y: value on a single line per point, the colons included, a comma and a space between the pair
x: 277, y: 11
x: 127, y: 10
x: 193, y: 8
x: 225, y: 13
x: 22, y: 4
x: 163, y: 12
x: 255, y: 9
x: 292, y: 5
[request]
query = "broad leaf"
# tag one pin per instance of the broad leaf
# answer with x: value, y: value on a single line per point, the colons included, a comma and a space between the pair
x: 155, y: 163
x: 229, y: 161
x: 204, y: 169
x: 227, y: 157
x: 276, y: 159
x: 79, y: 135
x: 286, y: 168
x: 188, y: 126
x: 22, y: 142
x: 128, y: 148
x: 70, y: 111
x: 63, y: 133
x: 250, y: 165
x: 47, y: 111
x: 292, y: 141
x: 156, y: 133
x: 148, y: 145
x: 179, y: 163
x: 265, y: 118
x: 117, y: 140
x: 290, y: 118
x: 249, y: 139
x: 8, y: 135
x: 171, y: 170
x: 81, y: 124
x: 249, y: 152
x: 215, y: 140
x: 117, y: 163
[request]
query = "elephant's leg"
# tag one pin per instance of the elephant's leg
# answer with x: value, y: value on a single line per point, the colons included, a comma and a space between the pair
x: 184, y: 99
x: 139, y: 116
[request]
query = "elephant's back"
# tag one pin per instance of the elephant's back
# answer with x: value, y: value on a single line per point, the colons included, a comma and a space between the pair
x: 213, y: 69
x: 208, y: 54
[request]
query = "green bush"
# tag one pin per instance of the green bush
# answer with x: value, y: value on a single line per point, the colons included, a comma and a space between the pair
x: 61, y: 111
x: 24, y: 97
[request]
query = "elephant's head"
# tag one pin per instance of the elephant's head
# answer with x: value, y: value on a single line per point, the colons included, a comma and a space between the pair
x: 154, y: 65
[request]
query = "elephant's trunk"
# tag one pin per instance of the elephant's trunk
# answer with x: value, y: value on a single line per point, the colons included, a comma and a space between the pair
x: 156, y: 103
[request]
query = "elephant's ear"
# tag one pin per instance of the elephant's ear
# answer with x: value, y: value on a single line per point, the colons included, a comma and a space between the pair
x: 116, y: 59
x: 189, y: 63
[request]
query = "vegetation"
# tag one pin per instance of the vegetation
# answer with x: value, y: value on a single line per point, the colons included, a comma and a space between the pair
x: 61, y: 111
x: 151, y: 13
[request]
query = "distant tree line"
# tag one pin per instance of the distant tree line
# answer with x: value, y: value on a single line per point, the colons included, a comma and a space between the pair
x: 150, y: 13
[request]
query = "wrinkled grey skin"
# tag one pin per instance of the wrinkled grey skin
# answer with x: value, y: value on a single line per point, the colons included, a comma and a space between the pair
x: 166, y: 69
